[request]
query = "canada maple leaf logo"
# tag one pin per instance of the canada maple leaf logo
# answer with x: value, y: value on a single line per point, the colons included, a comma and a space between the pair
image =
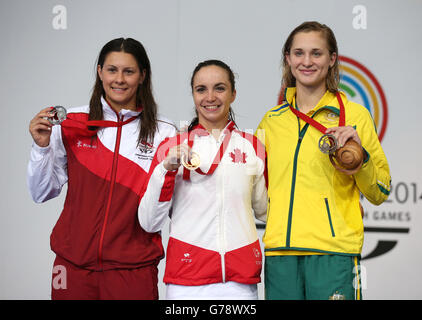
x: 238, y: 156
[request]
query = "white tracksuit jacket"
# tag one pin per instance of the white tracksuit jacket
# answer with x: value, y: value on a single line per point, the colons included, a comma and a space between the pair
x: 213, y: 235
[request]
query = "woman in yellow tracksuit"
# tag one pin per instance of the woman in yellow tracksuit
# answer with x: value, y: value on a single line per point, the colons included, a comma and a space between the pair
x: 314, y: 232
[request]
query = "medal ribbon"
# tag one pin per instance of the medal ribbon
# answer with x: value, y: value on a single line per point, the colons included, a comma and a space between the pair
x: 100, y: 123
x: 82, y: 126
x: 316, y: 124
x: 217, y: 159
x: 106, y: 123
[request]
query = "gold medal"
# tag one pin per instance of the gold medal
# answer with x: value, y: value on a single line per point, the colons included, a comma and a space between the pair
x: 193, y: 164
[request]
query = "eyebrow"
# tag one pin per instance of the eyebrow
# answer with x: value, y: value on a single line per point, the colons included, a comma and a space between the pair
x: 123, y: 67
x: 216, y: 85
x: 301, y: 49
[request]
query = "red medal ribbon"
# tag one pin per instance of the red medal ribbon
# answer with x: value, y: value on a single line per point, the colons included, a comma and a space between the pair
x: 83, y: 125
x: 201, y: 131
x: 106, y: 123
x: 316, y: 124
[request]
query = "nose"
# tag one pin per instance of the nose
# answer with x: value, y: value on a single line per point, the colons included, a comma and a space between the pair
x: 210, y: 96
x: 120, y: 77
x: 307, y: 61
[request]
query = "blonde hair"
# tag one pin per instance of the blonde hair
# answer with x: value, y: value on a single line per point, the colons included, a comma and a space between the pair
x: 333, y: 76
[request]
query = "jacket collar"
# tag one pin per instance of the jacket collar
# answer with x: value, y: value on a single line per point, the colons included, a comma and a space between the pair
x: 111, y: 115
x: 200, y: 131
x: 328, y: 100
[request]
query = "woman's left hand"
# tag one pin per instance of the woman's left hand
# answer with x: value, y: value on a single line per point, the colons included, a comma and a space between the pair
x: 342, y: 134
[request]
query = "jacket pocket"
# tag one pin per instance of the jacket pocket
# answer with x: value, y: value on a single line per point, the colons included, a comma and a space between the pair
x: 327, y: 206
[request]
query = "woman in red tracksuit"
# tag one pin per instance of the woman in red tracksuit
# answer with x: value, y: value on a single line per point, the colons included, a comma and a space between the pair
x: 103, y: 151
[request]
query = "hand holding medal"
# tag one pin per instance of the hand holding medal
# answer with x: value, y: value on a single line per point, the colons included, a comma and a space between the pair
x: 41, y: 125
x: 57, y: 115
x: 341, y: 143
x: 181, y: 155
x: 343, y: 146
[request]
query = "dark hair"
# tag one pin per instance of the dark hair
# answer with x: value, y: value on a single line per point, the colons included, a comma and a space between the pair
x: 333, y: 76
x: 144, y: 97
x: 230, y: 74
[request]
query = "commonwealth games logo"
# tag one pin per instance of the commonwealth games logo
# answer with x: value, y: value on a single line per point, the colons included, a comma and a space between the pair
x: 362, y: 87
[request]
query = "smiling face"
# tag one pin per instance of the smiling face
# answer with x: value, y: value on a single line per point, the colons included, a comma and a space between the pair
x: 212, y: 95
x: 121, y: 78
x: 309, y: 60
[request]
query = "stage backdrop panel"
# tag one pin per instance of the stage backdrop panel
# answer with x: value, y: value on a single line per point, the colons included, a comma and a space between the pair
x: 48, y: 58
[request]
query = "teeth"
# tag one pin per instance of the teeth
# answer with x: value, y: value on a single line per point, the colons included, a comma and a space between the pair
x: 211, y: 107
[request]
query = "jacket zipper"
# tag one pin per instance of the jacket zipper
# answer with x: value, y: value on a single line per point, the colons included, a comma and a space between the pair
x: 222, y: 249
x: 222, y: 233
x: 292, y: 190
x: 110, y: 194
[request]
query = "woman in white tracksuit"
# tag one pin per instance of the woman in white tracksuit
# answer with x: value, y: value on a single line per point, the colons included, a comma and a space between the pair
x: 213, y: 250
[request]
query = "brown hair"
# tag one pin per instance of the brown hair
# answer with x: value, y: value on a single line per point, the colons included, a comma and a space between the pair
x: 144, y: 97
x: 333, y: 76
x: 230, y: 74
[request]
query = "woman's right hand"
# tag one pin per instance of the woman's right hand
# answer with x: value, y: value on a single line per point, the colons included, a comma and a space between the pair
x: 40, y: 128
x: 173, y: 160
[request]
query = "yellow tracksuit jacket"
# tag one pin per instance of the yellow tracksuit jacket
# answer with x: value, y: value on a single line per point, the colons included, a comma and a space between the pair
x: 312, y: 207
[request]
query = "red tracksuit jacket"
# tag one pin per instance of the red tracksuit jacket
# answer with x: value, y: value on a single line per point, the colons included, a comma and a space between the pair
x: 98, y: 228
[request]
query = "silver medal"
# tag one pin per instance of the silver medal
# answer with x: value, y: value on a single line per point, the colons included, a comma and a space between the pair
x: 58, y: 115
x: 328, y: 144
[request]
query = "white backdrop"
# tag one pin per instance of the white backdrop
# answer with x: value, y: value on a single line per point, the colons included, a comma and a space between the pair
x: 48, y: 55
